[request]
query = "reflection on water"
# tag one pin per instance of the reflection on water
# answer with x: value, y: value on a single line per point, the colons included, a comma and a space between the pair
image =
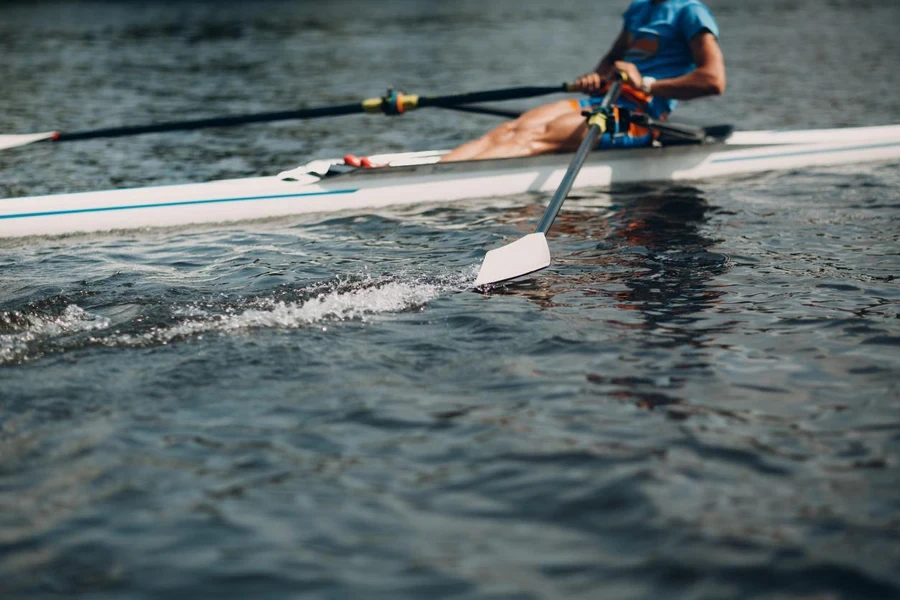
x: 668, y: 264
x: 667, y: 279
x: 650, y: 255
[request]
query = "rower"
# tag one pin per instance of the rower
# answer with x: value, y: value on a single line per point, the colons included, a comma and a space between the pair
x: 669, y: 51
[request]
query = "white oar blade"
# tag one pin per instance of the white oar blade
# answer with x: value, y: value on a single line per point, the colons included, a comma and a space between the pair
x: 526, y: 255
x: 13, y: 140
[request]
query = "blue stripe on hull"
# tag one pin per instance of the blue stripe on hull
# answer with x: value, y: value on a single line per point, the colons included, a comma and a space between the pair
x: 54, y: 213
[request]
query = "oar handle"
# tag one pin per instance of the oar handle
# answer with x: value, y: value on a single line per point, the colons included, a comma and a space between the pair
x: 598, y: 123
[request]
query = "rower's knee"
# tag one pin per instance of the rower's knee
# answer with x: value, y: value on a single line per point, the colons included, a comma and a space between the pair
x: 506, y: 131
x: 535, y: 141
x: 523, y: 137
x: 527, y: 136
x: 510, y: 126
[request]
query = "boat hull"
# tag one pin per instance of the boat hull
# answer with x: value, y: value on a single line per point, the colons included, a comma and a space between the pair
x: 229, y: 201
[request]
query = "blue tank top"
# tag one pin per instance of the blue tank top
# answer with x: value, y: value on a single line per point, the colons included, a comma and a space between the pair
x: 659, y: 37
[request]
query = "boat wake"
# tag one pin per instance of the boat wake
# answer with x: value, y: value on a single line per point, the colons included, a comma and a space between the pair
x: 345, y: 300
x: 26, y: 336
x: 22, y: 333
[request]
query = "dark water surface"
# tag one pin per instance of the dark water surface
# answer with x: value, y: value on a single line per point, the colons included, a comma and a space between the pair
x: 698, y: 400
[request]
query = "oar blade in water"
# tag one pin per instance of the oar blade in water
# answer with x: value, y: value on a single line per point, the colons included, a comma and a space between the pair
x: 526, y: 255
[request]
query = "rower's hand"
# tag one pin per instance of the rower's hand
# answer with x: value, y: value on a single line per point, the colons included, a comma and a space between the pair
x: 596, y: 84
x: 590, y: 83
x: 634, y: 76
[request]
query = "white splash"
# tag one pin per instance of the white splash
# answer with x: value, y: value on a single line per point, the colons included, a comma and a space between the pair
x: 37, y: 328
x: 32, y: 335
x: 363, y: 301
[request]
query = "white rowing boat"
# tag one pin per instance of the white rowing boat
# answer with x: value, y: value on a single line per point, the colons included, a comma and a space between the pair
x: 412, y: 178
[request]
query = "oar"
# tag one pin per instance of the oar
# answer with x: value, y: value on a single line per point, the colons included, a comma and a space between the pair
x: 531, y: 253
x: 393, y: 103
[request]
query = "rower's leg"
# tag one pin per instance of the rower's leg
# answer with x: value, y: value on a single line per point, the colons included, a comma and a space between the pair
x: 512, y: 138
x: 562, y: 134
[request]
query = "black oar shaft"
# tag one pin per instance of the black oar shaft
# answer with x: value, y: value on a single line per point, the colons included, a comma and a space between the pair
x: 498, y: 95
x: 307, y: 113
x: 370, y: 105
x: 593, y: 134
x: 590, y: 140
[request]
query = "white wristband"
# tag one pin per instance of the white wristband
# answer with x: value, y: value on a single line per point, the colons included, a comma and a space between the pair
x: 647, y: 83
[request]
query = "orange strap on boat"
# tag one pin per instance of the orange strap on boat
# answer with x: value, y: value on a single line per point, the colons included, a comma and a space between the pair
x: 360, y: 162
x: 634, y: 130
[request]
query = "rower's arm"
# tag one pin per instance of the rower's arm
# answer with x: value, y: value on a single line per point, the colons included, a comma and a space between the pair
x: 708, y: 79
x: 606, y: 65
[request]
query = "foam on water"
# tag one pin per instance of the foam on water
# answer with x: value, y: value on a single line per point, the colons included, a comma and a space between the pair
x: 27, y: 330
x: 348, y: 302
x: 345, y: 299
